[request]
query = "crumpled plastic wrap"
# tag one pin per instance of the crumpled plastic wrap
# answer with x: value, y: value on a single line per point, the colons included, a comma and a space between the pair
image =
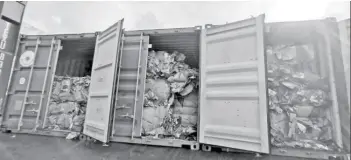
x: 170, y: 99
x: 298, y: 100
x: 68, y: 103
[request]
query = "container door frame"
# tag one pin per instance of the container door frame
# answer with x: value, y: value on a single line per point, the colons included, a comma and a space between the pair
x: 234, y: 135
x: 101, y: 91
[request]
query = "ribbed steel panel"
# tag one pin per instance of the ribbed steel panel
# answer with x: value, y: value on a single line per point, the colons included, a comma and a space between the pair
x: 233, y: 104
x: 127, y: 99
x: 101, y: 92
x: 17, y: 113
x: 76, y: 57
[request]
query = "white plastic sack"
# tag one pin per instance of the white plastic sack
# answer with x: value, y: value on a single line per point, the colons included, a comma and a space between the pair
x: 153, y: 117
x: 160, y: 88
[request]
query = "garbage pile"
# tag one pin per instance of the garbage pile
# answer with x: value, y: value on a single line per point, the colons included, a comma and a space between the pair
x: 299, y: 100
x: 68, y: 103
x: 171, y: 97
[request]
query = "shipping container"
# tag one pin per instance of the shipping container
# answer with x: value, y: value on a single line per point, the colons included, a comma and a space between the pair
x: 233, y: 97
x: 10, y: 24
x: 38, y: 60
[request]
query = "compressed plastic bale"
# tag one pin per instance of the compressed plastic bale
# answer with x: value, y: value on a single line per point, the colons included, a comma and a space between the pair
x: 54, y: 108
x: 68, y: 107
x: 185, y: 110
x: 189, y: 88
x: 78, y: 120
x: 78, y: 95
x: 304, y: 110
x: 64, y: 121
x: 179, y: 109
x: 177, y: 87
x: 153, y: 117
x: 66, y: 96
x: 56, y: 88
x: 191, y: 100
x: 179, y: 77
x: 280, y: 123
x: 160, y: 88
x: 187, y: 120
x: 52, y: 120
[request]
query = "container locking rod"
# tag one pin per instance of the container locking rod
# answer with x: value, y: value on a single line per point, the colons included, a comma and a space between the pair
x: 28, y: 85
x: 137, y: 83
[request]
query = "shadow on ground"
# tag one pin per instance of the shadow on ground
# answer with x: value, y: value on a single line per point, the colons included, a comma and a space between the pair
x: 30, y: 147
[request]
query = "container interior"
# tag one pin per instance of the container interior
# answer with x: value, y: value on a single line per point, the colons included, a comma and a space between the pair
x: 70, y: 88
x: 76, y: 57
x: 298, y: 73
x: 152, y: 117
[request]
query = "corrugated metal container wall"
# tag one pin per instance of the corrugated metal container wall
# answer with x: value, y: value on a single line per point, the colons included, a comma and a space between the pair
x: 30, y: 84
x: 233, y: 106
x: 74, y: 60
x: 128, y: 85
x: 76, y: 57
x: 10, y: 23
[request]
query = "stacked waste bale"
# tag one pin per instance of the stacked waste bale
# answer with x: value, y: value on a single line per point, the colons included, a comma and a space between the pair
x: 171, y: 95
x: 299, y: 100
x: 68, y: 103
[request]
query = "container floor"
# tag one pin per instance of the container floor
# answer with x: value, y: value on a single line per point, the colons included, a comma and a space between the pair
x: 29, y: 147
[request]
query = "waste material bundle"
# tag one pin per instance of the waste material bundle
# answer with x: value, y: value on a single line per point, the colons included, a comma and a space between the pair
x: 68, y: 103
x: 299, y: 100
x: 171, y: 97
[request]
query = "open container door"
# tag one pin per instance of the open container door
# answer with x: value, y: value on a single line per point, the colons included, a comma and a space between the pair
x: 103, y: 74
x: 233, y: 101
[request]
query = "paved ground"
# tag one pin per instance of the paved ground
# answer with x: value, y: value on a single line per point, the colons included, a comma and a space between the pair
x: 30, y: 147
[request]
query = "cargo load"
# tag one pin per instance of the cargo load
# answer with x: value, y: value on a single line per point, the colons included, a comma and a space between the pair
x: 171, y: 92
x: 67, y: 104
x: 299, y: 100
x: 234, y: 86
